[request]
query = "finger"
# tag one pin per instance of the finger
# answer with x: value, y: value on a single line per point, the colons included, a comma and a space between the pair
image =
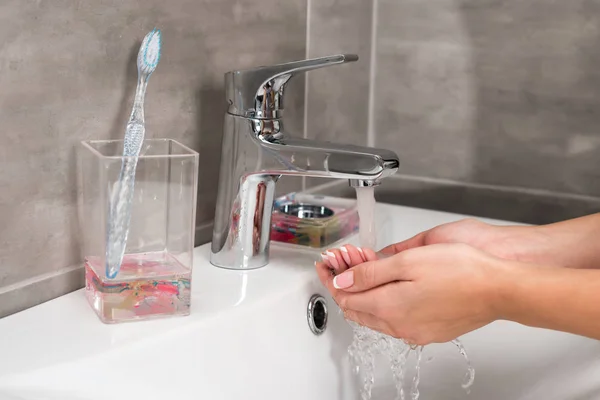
x: 368, y: 320
x: 415, y: 241
x: 352, y: 255
x: 369, y: 302
x: 337, y: 260
x: 330, y: 258
x: 325, y: 276
x: 371, y: 274
x: 325, y: 260
x: 369, y: 254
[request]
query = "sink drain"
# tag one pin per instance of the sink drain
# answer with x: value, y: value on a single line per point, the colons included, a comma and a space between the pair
x: 317, y: 314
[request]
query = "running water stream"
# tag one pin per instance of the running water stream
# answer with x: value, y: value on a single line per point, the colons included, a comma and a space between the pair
x: 365, y: 201
x: 367, y: 343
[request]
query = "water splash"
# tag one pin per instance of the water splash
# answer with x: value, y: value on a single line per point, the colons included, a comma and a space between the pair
x: 398, y: 364
x: 365, y: 346
x: 362, y: 351
x: 414, y: 390
x: 470, y: 375
x: 367, y: 343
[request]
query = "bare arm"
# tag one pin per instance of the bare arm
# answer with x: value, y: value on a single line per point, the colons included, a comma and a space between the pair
x: 554, y: 298
x: 573, y: 243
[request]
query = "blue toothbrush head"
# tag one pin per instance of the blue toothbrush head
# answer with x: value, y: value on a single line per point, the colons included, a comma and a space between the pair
x: 149, y: 54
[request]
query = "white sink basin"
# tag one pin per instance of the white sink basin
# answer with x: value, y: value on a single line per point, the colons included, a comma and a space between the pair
x: 248, y: 338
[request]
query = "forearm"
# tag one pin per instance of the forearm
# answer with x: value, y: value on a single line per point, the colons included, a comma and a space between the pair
x: 574, y: 243
x: 555, y: 298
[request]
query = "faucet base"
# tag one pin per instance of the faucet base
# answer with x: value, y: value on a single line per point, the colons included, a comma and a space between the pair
x: 244, y: 242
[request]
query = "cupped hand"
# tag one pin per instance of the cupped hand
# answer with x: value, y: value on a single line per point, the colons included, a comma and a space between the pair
x: 423, y: 295
x: 339, y: 260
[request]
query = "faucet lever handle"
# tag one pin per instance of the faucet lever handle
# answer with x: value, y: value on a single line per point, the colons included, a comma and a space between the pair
x: 258, y: 92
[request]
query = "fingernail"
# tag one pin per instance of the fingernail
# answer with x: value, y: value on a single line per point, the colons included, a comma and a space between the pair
x: 344, y: 281
x: 332, y: 259
x: 325, y: 259
x: 345, y: 255
x: 362, y: 254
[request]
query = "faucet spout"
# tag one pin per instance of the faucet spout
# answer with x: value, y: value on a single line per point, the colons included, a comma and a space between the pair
x: 291, y: 156
x: 363, y: 183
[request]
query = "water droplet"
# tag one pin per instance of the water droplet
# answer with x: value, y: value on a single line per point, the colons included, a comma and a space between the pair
x: 470, y: 375
x: 414, y: 391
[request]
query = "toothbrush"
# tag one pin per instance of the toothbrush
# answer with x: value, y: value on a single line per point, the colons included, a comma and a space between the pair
x: 119, y: 213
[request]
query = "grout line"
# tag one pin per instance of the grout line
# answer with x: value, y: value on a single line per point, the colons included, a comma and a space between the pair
x: 372, y: 76
x: 204, y: 225
x: 31, y: 281
x: 306, y: 75
x: 306, y: 78
x: 499, y: 188
x: 203, y: 233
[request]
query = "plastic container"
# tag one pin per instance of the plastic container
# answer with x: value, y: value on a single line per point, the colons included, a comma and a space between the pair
x: 312, y: 221
x: 155, y: 276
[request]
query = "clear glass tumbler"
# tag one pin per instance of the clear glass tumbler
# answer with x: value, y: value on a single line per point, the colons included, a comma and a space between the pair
x: 155, y: 274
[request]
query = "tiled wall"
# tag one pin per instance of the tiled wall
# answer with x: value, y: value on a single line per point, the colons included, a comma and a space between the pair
x: 496, y: 99
x: 67, y: 73
x: 492, y: 106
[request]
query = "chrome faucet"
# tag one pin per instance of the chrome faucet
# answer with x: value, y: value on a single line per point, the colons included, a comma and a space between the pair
x: 256, y: 151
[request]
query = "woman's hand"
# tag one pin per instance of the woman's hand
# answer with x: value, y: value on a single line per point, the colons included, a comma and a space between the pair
x: 529, y: 244
x: 427, y: 294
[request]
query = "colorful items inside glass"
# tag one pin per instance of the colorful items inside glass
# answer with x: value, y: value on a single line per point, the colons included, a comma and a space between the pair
x: 313, y: 221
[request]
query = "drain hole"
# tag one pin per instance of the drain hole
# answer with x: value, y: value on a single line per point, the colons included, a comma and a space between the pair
x: 317, y: 314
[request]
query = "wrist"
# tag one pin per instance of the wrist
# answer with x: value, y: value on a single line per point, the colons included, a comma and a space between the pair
x: 528, y: 244
x: 503, y: 290
x: 571, y: 243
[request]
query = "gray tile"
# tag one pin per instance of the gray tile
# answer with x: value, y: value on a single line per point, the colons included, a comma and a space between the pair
x: 67, y: 73
x: 478, y: 200
x: 488, y: 202
x: 337, y: 100
x: 36, y: 291
x: 425, y: 107
x: 338, y: 97
x: 537, y: 141
x: 419, y: 21
x: 500, y: 92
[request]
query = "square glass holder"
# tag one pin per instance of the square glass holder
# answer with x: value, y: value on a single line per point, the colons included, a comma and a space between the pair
x: 154, y: 279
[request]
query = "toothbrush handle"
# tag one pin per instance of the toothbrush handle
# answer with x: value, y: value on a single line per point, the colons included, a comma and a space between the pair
x: 137, y: 113
x: 119, y: 217
x: 120, y: 206
x: 134, y: 137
